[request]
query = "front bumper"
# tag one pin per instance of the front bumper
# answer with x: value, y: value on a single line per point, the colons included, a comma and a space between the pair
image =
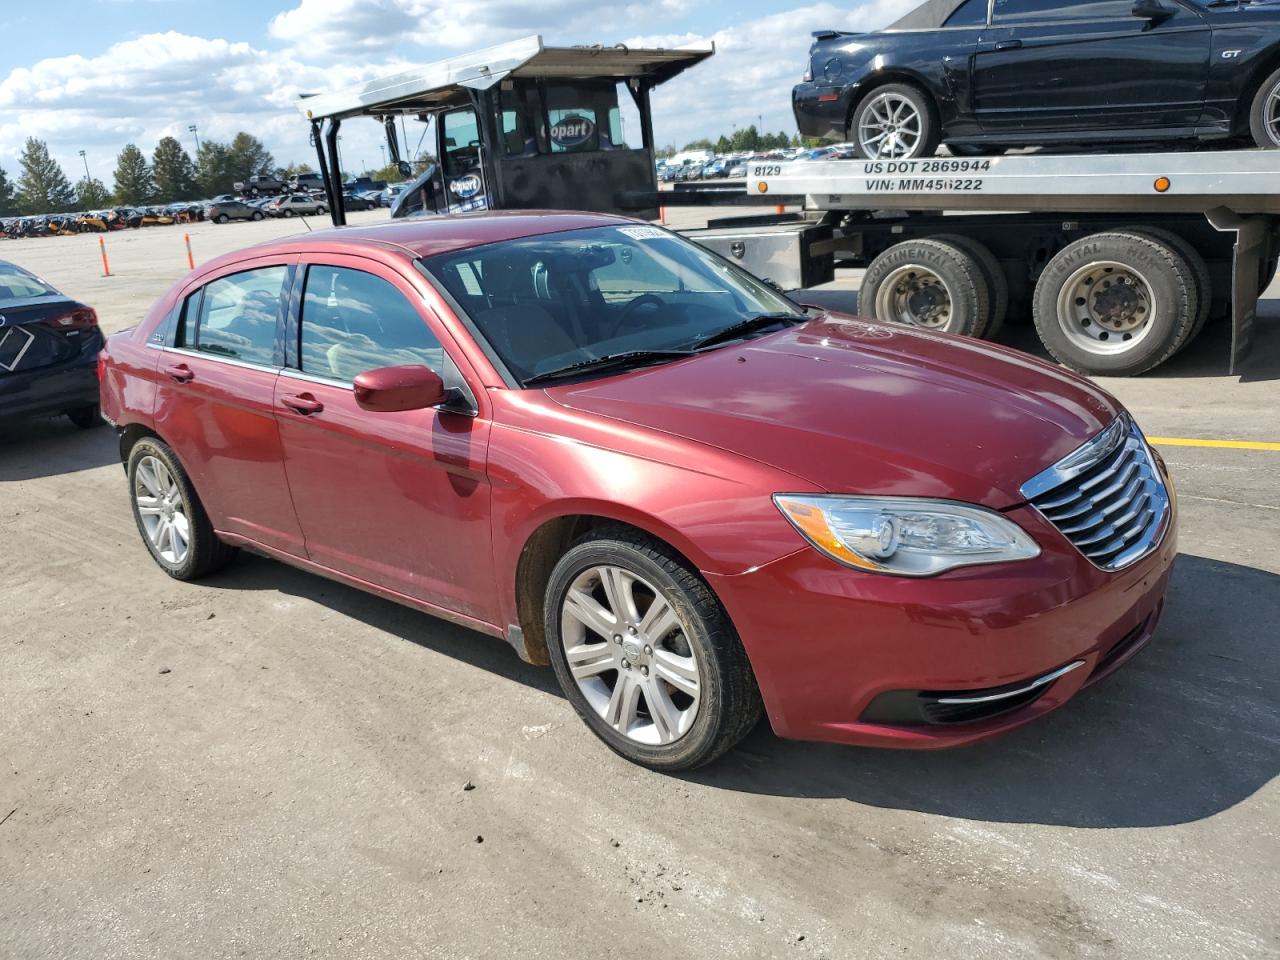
x: 846, y: 656
x: 822, y: 110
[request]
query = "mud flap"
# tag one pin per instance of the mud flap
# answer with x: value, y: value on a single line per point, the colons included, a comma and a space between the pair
x: 1255, y: 241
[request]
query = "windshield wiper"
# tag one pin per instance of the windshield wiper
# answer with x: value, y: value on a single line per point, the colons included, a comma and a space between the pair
x: 743, y: 327
x: 629, y: 358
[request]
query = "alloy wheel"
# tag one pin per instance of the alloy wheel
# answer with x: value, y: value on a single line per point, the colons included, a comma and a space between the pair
x: 1271, y: 114
x: 914, y: 295
x: 1106, y: 307
x: 890, y: 127
x: 162, y: 510
x: 630, y: 655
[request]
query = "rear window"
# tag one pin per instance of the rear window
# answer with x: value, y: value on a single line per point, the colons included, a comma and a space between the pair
x: 17, y: 284
x: 971, y: 13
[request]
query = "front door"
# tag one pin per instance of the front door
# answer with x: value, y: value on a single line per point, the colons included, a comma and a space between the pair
x: 400, y: 500
x: 1046, y: 67
x: 215, y: 402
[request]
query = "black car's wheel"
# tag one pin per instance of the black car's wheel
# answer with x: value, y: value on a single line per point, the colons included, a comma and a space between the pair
x: 1115, y: 304
x: 927, y: 283
x: 221, y: 218
x: 1264, y: 118
x: 170, y: 517
x: 895, y: 122
x: 646, y: 654
x: 257, y: 215
x: 86, y: 418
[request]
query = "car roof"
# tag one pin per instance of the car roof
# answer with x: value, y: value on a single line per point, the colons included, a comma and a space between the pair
x: 430, y: 236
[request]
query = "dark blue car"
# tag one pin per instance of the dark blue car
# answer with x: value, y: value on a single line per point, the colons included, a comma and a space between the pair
x: 985, y: 75
x: 49, y: 345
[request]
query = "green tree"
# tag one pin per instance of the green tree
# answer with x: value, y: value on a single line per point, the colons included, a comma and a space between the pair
x: 7, y: 205
x: 247, y: 157
x: 174, y: 173
x: 213, y: 170
x: 92, y: 194
x: 42, y: 186
x: 293, y: 169
x: 134, y: 182
x: 703, y: 144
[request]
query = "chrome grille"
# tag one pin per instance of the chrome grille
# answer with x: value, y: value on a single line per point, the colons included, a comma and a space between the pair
x: 1107, y: 497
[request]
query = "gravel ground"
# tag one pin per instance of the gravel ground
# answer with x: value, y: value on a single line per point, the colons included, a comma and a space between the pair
x: 267, y: 764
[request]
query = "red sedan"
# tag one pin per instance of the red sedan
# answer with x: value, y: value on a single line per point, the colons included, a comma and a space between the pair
x: 633, y: 461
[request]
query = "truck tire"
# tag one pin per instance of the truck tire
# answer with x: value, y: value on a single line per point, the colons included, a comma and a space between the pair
x: 926, y: 283
x: 1114, y: 304
x: 897, y: 121
x: 1199, y: 270
x: 1264, y: 117
x: 997, y: 282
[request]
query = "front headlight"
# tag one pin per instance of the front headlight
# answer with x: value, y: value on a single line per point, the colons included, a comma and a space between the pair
x: 911, y: 538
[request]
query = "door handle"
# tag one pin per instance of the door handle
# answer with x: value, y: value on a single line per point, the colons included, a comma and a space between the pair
x: 302, y: 403
x: 1008, y: 44
x: 179, y: 372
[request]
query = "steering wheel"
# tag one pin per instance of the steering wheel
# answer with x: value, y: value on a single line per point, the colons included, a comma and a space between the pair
x: 629, y: 311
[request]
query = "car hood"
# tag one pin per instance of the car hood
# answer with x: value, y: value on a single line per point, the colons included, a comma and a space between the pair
x: 857, y: 407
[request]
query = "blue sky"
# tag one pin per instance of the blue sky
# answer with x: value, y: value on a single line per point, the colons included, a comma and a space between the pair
x: 117, y: 71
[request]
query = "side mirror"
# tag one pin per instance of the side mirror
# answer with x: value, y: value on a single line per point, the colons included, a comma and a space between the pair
x: 1152, y: 10
x: 406, y: 171
x: 393, y: 389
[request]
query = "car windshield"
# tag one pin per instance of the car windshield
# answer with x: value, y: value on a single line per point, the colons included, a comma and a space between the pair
x: 17, y: 284
x: 627, y: 293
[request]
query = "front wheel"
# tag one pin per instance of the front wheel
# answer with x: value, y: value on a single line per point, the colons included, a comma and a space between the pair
x: 221, y: 218
x: 646, y: 654
x: 257, y: 214
x: 1264, y: 117
x: 895, y: 122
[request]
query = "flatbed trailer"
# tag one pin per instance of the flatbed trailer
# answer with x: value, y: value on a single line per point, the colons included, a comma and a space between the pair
x: 1122, y: 258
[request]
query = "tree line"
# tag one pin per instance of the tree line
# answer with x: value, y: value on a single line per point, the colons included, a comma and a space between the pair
x: 745, y: 140
x: 170, y: 175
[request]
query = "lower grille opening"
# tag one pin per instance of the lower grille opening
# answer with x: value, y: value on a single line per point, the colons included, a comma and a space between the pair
x: 947, y: 707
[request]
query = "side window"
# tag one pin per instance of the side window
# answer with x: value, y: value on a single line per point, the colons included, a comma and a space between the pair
x: 1030, y: 11
x: 236, y: 316
x: 461, y: 142
x: 971, y: 13
x: 353, y: 321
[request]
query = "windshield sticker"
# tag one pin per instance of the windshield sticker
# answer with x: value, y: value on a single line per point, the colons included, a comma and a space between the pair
x: 643, y: 233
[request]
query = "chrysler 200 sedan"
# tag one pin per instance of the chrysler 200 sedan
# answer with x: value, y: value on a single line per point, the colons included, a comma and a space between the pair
x: 633, y: 461
x: 984, y: 75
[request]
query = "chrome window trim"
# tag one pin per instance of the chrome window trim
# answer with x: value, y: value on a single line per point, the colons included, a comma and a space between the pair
x: 217, y: 358
x: 1005, y: 695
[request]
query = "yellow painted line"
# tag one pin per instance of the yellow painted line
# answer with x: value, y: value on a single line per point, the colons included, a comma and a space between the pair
x: 1224, y: 444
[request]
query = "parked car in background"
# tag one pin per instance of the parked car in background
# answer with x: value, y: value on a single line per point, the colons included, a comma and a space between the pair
x: 650, y: 488
x: 984, y: 76
x: 222, y: 211
x: 307, y: 183
x: 296, y: 205
x: 49, y: 345
x: 257, y: 186
x: 358, y: 201
x: 736, y: 170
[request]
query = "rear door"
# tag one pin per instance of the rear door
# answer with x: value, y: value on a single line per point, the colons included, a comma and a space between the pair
x: 400, y: 500
x: 1056, y: 67
x: 216, y: 397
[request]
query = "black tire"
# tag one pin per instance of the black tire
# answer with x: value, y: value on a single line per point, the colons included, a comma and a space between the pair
x: 321, y: 210
x: 257, y: 215
x: 205, y: 553
x: 221, y: 218
x: 1172, y: 285
x: 729, y: 702
x: 1264, y: 116
x: 960, y: 275
x: 86, y: 418
x: 930, y: 135
x: 997, y: 282
x: 253, y: 192
x: 1199, y: 271
x: 287, y: 212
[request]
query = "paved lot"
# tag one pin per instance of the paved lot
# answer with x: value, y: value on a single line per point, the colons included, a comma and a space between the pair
x: 293, y: 785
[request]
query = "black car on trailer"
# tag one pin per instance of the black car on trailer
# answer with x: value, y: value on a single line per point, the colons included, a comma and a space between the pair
x: 985, y: 75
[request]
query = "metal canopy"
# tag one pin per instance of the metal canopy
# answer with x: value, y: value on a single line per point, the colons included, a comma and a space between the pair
x: 442, y: 84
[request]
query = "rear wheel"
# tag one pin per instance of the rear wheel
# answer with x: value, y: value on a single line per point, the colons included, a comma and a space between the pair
x: 1264, y: 117
x: 646, y: 654
x: 86, y: 418
x: 169, y: 515
x: 997, y: 282
x: 1199, y: 272
x: 895, y: 122
x: 257, y: 215
x: 1115, y: 304
x: 927, y: 283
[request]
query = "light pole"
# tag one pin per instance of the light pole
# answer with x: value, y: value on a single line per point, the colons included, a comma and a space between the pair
x: 87, y: 175
x: 192, y: 130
